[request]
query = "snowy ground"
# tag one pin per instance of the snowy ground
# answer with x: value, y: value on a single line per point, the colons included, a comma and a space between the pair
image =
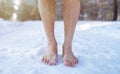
x: 96, y: 44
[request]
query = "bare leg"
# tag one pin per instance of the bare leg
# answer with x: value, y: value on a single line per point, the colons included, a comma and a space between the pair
x: 47, y: 11
x: 71, y: 14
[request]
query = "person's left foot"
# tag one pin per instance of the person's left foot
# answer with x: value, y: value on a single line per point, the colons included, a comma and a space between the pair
x: 68, y: 57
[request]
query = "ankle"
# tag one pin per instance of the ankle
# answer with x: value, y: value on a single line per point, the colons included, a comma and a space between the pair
x: 67, y: 49
x: 52, y: 43
x: 67, y: 46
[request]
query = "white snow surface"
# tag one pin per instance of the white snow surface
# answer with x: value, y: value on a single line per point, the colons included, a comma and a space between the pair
x: 96, y: 44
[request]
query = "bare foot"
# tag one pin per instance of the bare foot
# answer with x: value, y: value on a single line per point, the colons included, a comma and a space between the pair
x: 50, y: 56
x: 68, y: 57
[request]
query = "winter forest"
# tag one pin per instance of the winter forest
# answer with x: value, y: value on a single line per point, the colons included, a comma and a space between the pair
x: 90, y: 9
x: 96, y: 40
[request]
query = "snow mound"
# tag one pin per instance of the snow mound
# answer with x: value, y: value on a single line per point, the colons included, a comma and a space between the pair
x: 96, y: 44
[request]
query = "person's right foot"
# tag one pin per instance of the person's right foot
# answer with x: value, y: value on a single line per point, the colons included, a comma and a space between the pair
x: 50, y: 56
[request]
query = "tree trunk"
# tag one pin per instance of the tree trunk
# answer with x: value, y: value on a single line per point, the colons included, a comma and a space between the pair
x: 118, y: 10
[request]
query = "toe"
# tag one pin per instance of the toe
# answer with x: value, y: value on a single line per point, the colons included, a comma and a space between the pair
x: 47, y: 61
x: 67, y: 63
x: 73, y: 63
x: 53, y: 62
x: 76, y: 61
x: 42, y: 59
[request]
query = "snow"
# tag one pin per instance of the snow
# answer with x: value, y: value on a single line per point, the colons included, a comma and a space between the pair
x: 96, y: 44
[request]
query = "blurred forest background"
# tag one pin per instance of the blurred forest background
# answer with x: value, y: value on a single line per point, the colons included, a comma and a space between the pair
x: 22, y: 10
